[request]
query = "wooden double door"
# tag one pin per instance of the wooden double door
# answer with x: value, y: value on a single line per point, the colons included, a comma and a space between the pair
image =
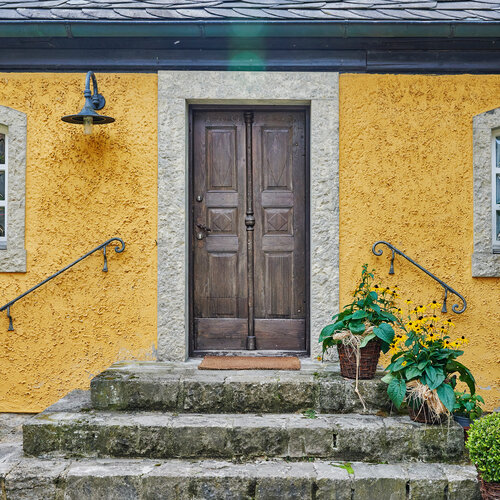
x: 249, y: 225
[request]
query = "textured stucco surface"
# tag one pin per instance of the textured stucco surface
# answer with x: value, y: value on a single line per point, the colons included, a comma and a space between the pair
x: 81, y: 190
x: 406, y: 176
x: 13, y: 258
x: 176, y: 90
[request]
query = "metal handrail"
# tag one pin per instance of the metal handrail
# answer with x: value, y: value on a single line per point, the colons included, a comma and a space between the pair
x: 394, y: 250
x: 118, y: 249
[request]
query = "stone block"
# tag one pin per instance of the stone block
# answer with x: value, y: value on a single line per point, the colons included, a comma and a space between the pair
x: 426, y: 481
x: 379, y: 482
x: 33, y: 479
x: 462, y: 482
x: 333, y: 482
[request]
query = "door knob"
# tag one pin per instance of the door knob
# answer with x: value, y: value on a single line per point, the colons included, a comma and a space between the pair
x: 199, y: 198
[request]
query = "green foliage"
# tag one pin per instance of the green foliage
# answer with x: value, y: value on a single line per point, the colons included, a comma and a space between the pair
x: 483, y: 444
x: 468, y: 405
x: 310, y: 413
x: 369, y: 307
x: 424, y: 352
x: 346, y: 465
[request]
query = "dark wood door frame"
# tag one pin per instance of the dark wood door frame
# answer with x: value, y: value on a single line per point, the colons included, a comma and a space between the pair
x: 244, y: 108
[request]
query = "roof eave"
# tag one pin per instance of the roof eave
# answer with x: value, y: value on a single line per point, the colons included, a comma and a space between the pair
x: 248, y: 28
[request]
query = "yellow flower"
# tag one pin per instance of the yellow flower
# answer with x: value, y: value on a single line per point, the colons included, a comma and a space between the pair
x: 434, y: 318
x: 431, y: 337
x: 410, y: 325
x: 375, y: 288
x: 463, y: 340
x: 408, y: 302
x: 404, y: 363
x: 420, y: 309
x: 443, y: 329
x: 318, y: 358
x: 399, y: 311
x: 447, y: 343
x: 449, y: 322
x: 434, y: 304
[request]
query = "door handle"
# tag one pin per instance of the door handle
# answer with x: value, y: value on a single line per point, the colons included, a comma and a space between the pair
x: 203, y: 227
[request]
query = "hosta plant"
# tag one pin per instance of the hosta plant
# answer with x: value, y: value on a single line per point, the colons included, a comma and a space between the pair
x: 368, y: 316
x: 468, y: 405
x: 424, y: 367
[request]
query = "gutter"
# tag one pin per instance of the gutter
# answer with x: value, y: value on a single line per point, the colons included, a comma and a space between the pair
x: 252, y: 28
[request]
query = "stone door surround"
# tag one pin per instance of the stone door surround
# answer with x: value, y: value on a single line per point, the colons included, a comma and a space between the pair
x: 176, y: 91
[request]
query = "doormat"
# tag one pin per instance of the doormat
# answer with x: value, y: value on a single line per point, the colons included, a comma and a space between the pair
x: 249, y: 363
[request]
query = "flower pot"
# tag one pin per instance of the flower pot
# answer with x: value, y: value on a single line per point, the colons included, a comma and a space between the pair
x: 368, y: 361
x: 424, y: 415
x: 489, y: 491
x: 463, y: 421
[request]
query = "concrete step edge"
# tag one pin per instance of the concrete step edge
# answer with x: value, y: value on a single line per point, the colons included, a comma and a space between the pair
x: 170, y: 435
x: 178, y: 479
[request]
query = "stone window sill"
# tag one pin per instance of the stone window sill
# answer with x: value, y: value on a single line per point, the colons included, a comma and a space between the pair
x: 485, y: 265
x: 12, y: 260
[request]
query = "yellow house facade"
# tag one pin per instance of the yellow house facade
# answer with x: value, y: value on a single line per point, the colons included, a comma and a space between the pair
x: 391, y: 156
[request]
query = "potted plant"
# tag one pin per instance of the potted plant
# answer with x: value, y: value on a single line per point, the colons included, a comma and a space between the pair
x: 424, y: 367
x: 467, y: 408
x: 484, y: 451
x: 362, y: 329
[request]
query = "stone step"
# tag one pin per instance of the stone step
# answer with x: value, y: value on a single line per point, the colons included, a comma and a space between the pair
x: 62, y: 431
x: 181, y: 387
x: 207, y: 479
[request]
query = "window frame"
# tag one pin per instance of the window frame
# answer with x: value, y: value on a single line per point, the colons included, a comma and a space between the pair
x: 4, y: 203
x: 485, y: 259
x: 12, y: 251
x: 495, y: 191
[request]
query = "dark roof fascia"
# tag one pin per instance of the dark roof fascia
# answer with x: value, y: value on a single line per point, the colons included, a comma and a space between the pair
x: 243, y: 29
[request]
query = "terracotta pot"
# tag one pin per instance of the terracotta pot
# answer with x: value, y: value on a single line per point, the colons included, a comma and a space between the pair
x: 424, y: 415
x: 368, y: 361
x: 489, y: 491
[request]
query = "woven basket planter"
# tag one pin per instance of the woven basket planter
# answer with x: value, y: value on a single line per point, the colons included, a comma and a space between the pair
x: 424, y: 415
x: 368, y: 360
x: 489, y: 491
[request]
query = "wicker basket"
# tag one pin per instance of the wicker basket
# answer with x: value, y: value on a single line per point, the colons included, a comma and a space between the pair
x: 489, y: 491
x: 368, y: 360
x: 424, y: 415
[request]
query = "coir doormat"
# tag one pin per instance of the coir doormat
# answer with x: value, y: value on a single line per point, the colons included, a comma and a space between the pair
x: 249, y: 363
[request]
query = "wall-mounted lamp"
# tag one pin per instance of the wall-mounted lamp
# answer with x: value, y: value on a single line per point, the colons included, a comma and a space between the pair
x: 87, y: 116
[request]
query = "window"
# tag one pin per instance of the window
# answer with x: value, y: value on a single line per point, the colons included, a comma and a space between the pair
x: 3, y: 187
x: 495, y: 197
x: 486, y: 150
x: 12, y: 190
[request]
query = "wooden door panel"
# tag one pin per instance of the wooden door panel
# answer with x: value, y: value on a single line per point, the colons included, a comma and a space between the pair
x: 280, y: 182
x: 219, y: 279
x: 220, y: 260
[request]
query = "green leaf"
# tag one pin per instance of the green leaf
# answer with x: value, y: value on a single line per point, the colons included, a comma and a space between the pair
x: 359, y: 315
x: 422, y: 364
x: 376, y: 308
x: 387, y: 378
x: 367, y: 339
x: 327, y: 331
x: 387, y: 328
x: 465, y: 374
x: 373, y: 295
x: 434, y: 377
x: 412, y: 372
x: 446, y: 395
x: 357, y: 327
x: 383, y: 334
x: 397, y: 391
x: 398, y: 365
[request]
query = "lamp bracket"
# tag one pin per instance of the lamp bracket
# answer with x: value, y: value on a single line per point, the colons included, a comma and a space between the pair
x: 98, y: 101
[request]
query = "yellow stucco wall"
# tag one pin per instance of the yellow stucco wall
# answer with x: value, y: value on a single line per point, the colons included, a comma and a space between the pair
x: 81, y: 190
x: 406, y: 177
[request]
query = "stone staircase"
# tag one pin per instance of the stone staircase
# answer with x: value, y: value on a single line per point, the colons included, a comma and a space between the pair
x: 170, y: 431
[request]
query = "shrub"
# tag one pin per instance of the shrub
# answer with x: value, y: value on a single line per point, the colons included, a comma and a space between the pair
x: 483, y: 444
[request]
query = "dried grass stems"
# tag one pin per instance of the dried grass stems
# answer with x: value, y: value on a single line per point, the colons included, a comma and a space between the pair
x: 419, y: 394
x: 353, y: 343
